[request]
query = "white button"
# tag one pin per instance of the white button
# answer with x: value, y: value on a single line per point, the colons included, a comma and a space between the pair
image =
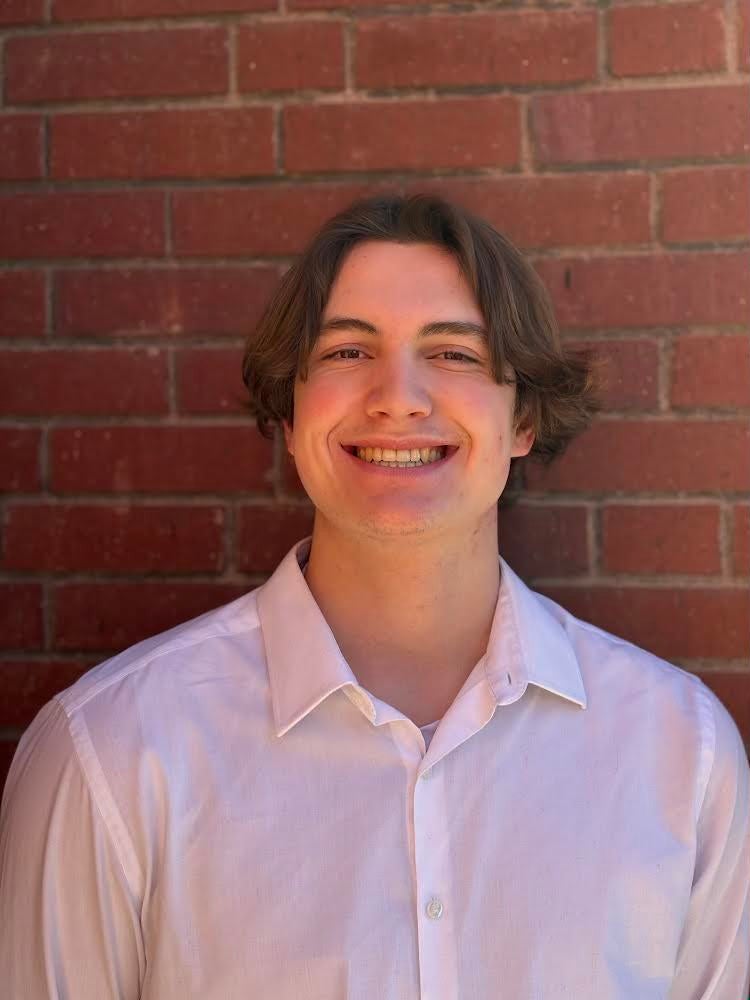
x: 434, y: 909
x: 424, y: 775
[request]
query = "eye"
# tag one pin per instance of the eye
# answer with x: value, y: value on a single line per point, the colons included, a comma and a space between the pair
x: 460, y: 355
x: 341, y: 351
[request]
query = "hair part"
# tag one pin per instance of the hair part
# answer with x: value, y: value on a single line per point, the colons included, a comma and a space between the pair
x: 557, y: 386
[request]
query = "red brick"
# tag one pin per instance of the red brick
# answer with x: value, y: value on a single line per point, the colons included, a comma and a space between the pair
x: 212, y: 459
x: 354, y: 4
x: 409, y: 135
x: 112, y: 616
x: 267, y: 533
x: 301, y: 55
x: 705, y: 204
x: 674, y: 623
x: 258, y: 221
x: 741, y: 553
x: 22, y: 309
x: 20, y: 147
x: 649, y: 291
x: 635, y: 125
x: 27, y: 685
x: 21, y: 616
x: 630, y: 373
x: 711, y: 371
x: 56, y: 383
x: 733, y: 690
x: 209, y: 142
x: 646, y: 455
x: 219, y: 300
x: 82, y: 224
x: 291, y: 483
x: 513, y: 47
x: 22, y: 11
x: 96, y: 65
x: 8, y: 747
x: 567, y: 210
x: 19, y: 459
x: 120, y: 539
x: 655, y: 38
x: 89, y: 10
x: 544, y: 540
x: 209, y: 380
x: 743, y: 36
x: 663, y: 538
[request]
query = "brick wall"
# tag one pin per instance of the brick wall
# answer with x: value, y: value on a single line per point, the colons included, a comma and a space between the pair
x: 163, y: 160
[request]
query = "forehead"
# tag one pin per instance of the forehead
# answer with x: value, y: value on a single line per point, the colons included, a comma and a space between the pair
x: 407, y: 278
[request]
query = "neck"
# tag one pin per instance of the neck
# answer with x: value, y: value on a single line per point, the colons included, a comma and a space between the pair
x: 412, y: 615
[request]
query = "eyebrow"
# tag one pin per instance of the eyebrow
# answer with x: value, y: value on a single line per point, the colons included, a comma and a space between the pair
x: 460, y: 328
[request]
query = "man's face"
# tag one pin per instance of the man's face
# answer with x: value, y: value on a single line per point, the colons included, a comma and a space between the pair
x: 396, y: 388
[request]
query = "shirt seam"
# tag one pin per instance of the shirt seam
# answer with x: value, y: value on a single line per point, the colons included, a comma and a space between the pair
x: 91, y: 769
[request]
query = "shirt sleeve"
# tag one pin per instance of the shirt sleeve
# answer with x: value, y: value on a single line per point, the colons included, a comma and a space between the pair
x: 714, y: 956
x: 70, y: 922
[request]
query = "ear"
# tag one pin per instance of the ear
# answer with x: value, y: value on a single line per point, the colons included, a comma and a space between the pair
x: 288, y: 436
x: 522, y: 442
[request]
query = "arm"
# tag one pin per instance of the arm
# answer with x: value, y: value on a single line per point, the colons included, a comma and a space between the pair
x: 713, y: 961
x: 70, y: 922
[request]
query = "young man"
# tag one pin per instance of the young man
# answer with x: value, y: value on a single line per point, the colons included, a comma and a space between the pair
x: 392, y: 771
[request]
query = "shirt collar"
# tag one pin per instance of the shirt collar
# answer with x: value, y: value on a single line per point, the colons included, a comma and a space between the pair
x: 527, y: 645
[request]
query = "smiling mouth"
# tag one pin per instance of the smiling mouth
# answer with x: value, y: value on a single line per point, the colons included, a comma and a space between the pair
x: 402, y: 458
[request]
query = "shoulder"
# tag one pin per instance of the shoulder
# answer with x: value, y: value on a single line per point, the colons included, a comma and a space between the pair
x: 213, y: 642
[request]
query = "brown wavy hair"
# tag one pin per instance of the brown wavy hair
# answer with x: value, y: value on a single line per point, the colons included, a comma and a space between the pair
x: 557, y: 387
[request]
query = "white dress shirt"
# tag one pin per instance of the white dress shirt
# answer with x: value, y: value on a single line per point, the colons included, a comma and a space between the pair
x: 223, y: 813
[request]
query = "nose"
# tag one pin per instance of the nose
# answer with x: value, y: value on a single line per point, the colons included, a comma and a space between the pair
x: 397, y: 390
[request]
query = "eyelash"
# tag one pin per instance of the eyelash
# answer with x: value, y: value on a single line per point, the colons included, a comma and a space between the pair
x: 327, y: 357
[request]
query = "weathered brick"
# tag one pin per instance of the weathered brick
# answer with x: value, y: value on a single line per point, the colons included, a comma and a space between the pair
x: 112, y: 616
x: 22, y: 309
x: 21, y: 616
x: 82, y: 224
x: 120, y: 539
x: 210, y: 142
x: 741, y: 552
x: 20, y: 147
x: 266, y: 534
x: 672, y: 622
x: 22, y: 11
x: 211, y: 459
x: 262, y: 221
x: 711, y: 370
x: 89, y: 10
x: 209, y: 380
x: 651, y: 455
x: 547, y: 540
x: 27, y: 685
x: 512, y: 47
x: 408, y: 135
x: 55, y: 383
x: 19, y: 459
x: 99, y: 65
x: 566, y: 210
x: 630, y: 373
x: 621, y: 126
x: 293, y: 55
x: 353, y: 4
x: 705, y: 204
x: 663, y: 538
x: 733, y: 690
x: 743, y: 36
x: 656, y: 38
x: 649, y: 291
x: 209, y: 300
